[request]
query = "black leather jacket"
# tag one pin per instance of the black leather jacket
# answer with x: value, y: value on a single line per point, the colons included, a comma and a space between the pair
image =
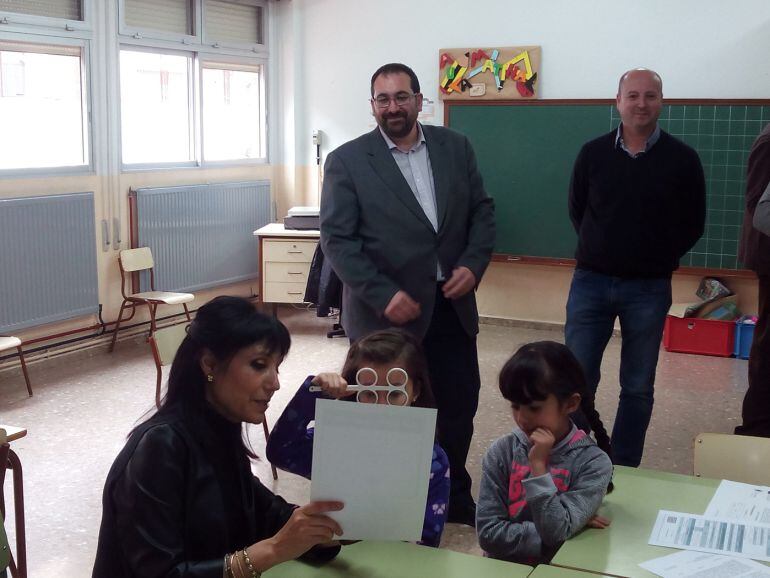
x: 179, y: 496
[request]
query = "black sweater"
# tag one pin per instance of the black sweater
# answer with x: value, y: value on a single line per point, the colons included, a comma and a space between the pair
x: 636, y: 217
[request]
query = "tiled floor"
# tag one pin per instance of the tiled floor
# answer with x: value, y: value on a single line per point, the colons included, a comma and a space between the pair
x: 86, y: 403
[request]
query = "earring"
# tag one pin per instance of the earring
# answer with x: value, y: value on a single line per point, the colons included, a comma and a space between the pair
x: 210, y: 378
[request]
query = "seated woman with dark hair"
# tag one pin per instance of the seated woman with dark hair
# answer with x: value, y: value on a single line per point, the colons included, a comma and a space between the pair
x: 180, y: 498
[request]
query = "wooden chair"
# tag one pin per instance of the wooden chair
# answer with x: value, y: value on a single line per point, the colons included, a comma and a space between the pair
x: 134, y: 260
x: 731, y: 457
x: 9, y: 460
x: 9, y: 342
x: 164, y: 344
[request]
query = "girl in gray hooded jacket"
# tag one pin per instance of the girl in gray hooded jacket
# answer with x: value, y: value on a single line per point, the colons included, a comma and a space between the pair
x: 543, y: 482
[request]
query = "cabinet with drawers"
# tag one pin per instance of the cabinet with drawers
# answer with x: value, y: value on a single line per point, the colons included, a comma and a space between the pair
x: 285, y: 257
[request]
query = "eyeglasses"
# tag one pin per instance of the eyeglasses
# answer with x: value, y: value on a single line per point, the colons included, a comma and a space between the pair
x: 401, y: 99
x: 369, y: 391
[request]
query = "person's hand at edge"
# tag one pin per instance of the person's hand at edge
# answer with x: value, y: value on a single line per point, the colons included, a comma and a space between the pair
x: 402, y: 308
x: 461, y: 282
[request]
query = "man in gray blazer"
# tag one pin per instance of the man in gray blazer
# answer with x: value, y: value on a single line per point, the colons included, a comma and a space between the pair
x: 409, y: 229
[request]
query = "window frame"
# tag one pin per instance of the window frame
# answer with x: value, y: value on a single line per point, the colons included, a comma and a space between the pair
x: 86, y: 92
x: 256, y: 48
x: 145, y: 36
x: 198, y: 39
x: 192, y: 99
x: 130, y: 38
x: 235, y: 62
x: 18, y: 22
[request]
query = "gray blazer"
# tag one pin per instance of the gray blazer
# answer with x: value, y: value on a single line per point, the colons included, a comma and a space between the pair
x: 379, y: 240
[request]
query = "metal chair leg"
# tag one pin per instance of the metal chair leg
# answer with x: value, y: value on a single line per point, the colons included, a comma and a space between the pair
x: 18, y: 503
x: 267, y: 437
x: 24, y: 370
x: 117, y: 326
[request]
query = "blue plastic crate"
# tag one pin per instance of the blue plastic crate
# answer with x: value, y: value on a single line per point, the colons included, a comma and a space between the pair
x: 744, y: 332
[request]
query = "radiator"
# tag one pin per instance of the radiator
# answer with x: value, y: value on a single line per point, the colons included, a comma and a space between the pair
x: 47, y: 260
x: 201, y: 235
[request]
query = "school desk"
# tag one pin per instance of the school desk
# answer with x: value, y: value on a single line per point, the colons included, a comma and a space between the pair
x: 370, y: 559
x: 633, y: 507
x: 544, y: 571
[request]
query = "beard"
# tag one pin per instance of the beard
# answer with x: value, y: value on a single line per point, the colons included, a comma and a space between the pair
x: 398, y: 124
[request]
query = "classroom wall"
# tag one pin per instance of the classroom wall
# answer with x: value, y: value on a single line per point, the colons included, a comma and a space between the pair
x: 701, y: 48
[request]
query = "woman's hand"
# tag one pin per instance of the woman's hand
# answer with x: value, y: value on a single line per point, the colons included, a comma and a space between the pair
x: 308, y: 526
x: 542, y: 442
x: 332, y: 384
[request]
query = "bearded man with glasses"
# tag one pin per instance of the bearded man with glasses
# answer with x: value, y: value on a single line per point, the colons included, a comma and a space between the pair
x: 409, y: 229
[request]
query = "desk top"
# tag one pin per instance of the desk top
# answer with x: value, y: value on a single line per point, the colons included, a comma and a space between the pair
x: 544, y: 571
x: 278, y: 230
x: 633, y: 507
x: 373, y: 559
x: 13, y: 432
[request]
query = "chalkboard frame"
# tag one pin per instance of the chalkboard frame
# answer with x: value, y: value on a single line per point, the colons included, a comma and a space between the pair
x: 570, y: 263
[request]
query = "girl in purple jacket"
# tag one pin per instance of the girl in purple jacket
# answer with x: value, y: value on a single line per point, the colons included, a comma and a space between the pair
x: 290, y: 446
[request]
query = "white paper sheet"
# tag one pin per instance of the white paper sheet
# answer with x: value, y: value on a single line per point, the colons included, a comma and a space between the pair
x: 376, y: 459
x: 689, y: 564
x: 741, y: 502
x: 718, y: 536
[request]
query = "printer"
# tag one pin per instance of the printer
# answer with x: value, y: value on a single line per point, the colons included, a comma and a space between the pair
x: 303, y: 218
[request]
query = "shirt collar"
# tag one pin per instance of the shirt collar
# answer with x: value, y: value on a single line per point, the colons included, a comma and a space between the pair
x: 654, y: 137
x: 415, y: 146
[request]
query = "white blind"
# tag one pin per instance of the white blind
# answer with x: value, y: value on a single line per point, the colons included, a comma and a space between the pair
x: 233, y: 22
x: 166, y: 15
x: 40, y: 48
x: 69, y: 9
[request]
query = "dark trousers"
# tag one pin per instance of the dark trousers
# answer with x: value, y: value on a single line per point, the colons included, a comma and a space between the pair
x: 595, y: 300
x: 756, y: 404
x: 453, y: 365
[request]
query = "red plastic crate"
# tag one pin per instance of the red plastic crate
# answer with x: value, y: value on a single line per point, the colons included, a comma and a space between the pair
x: 702, y: 336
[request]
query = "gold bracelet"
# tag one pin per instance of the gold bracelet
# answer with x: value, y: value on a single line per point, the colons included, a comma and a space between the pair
x: 241, y: 569
x: 254, y: 573
x: 229, y: 566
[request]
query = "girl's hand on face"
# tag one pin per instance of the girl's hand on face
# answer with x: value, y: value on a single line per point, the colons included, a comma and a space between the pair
x: 599, y: 522
x: 332, y: 384
x: 542, y: 442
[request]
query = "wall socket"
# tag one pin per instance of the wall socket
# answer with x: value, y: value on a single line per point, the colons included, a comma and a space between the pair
x: 316, y: 137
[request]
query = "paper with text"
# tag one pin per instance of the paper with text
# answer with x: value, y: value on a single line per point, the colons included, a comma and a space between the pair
x: 376, y: 459
x: 690, y: 564
x: 740, y: 502
x: 718, y: 536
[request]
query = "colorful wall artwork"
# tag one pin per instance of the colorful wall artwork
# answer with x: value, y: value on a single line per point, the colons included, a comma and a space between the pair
x: 489, y: 73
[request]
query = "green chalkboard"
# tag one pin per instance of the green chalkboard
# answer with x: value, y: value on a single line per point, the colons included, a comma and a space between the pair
x: 526, y: 150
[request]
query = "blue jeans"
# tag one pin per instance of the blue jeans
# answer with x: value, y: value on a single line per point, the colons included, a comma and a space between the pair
x: 595, y: 300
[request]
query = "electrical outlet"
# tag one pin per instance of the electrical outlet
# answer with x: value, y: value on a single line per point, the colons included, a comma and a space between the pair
x: 316, y: 137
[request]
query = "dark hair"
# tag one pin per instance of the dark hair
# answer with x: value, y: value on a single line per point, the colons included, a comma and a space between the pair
x: 397, y: 68
x: 542, y: 368
x: 391, y: 346
x: 223, y: 326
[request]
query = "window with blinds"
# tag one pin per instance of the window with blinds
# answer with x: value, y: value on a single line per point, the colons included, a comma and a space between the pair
x: 174, y: 16
x: 67, y: 9
x: 233, y: 22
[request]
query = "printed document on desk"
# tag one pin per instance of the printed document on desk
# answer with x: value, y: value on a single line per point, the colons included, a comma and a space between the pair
x: 690, y: 564
x: 376, y: 459
x: 741, y: 502
x: 718, y: 536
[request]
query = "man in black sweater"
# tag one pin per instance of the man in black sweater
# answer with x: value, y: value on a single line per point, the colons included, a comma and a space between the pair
x: 638, y: 201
